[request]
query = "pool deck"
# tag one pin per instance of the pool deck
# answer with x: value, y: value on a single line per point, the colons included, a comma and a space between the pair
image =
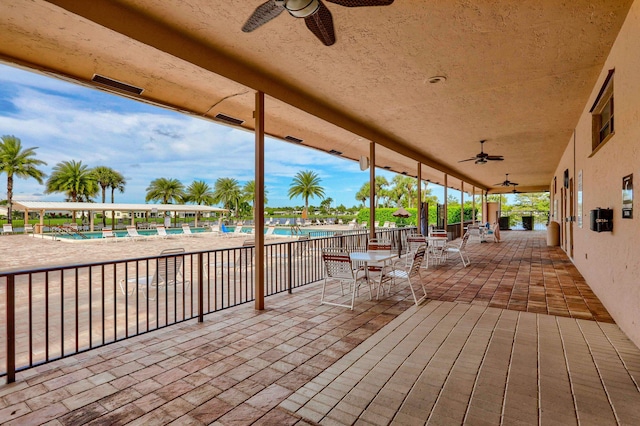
x: 516, y: 338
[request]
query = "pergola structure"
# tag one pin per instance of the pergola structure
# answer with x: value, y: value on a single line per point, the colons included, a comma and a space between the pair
x: 50, y: 206
x: 413, y: 86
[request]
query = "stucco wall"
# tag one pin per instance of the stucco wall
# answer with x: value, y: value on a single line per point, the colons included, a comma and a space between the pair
x: 610, y: 261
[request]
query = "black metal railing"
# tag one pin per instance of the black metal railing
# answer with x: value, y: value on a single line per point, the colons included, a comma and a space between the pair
x: 52, y: 313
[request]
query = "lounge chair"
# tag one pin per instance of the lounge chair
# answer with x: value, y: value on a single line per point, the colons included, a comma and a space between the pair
x: 132, y: 233
x: 168, y: 273
x: 162, y: 232
x: 108, y: 235
x: 270, y: 231
x: 28, y: 228
x: 7, y: 228
x: 186, y: 231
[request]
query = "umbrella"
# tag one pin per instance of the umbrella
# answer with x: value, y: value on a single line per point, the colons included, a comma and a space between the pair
x: 401, y: 212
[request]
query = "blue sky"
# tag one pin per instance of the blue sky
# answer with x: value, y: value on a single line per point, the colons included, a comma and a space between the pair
x: 71, y: 122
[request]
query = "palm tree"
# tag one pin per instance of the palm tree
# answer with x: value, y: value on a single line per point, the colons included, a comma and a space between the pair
x: 249, y: 193
x: 74, y: 179
x: 106, y: 177
x: 199, y: 192
x: 15, y: 161
x: 306, y: 184
x: 165, y: 190
x: 363, y: 193
x: 227, y: 191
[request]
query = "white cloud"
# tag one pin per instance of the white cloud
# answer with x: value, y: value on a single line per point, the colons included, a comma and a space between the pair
x: 69, y: 122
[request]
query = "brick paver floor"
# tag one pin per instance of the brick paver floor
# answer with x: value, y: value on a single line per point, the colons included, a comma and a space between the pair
x: 515, y: 338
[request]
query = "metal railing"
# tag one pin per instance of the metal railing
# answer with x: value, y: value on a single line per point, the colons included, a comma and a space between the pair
x: 52, y: 313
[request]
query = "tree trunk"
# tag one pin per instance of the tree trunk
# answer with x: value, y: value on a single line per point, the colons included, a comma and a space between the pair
x: 9, y: 199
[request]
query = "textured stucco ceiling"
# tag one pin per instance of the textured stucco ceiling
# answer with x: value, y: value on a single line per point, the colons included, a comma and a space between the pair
x: 518, y: 74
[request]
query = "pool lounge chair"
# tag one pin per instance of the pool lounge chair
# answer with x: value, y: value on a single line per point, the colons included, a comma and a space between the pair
x: 108, y: 235
x: 186, y: 230
x: 168, y: 274
x: 162, y: 232
x: 7, y: 229
x: 132, y: 233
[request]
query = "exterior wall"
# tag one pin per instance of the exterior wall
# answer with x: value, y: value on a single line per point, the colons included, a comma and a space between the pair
x: 609, y: 261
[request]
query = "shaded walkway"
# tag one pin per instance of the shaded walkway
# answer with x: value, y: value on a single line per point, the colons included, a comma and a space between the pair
x: 298, y: 362
x: 521, y: 273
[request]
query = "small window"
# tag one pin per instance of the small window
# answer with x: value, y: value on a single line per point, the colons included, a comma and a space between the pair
x: 602, y: 114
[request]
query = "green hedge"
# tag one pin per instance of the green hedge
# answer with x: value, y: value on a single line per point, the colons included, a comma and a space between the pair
x: 386, y: 215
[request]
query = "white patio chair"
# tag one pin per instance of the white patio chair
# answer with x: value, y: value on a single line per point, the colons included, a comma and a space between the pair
x: 162, y: 232
x: 338, y: 266
x: 168, y: 273
x: 186, y: 230
x: 108, y: 235
x: 28, y: 228
x: 413, y: 242
x: 411, y: 275
x: 132, y: 233
x: 7, y: 228
x: 460, y: 249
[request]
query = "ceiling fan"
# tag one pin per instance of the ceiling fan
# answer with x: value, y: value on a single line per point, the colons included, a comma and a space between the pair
x: 315, y: 14
x: 483, y: 157
x: 506, y: 182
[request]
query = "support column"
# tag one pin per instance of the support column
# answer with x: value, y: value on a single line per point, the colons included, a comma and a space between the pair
x: 372, y: 189
x: 91, y: 220
x: 26, y: 219
x: 42, y: 221
x: 461, y: 208
x: 258, y: 204
x: 473, y: 204
x: 419, y: 178
x: 446, y: 202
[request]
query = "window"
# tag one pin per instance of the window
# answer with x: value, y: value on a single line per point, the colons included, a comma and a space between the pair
x: 602, y: 114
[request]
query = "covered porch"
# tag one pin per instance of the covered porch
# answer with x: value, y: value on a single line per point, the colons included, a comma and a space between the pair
x: 515, y: 338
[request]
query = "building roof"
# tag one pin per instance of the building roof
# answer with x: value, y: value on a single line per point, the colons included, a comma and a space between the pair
x: 516, y: 73
x: 67, y: 206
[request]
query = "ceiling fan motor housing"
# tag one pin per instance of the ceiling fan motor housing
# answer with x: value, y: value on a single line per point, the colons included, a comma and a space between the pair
x: 301, y: 8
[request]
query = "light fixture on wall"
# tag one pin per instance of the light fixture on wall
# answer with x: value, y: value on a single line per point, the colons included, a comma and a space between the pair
x: 364, y: 163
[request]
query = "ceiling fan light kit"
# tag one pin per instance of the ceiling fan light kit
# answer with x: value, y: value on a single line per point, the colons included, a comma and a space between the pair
x: 316, y: 15
x: 483, y: 157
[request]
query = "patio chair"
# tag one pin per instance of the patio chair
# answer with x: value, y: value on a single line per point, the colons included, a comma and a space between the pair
x: 475, y: 232
x: 414, y: 241
x: 411, y: 276
x: 338, y: 266
x: 378, y: 268
x: 132, y: 233
x: 108, y: 235
x: 186, y: 230
x: 460, y: 249
x: 270, y: 231
x: 7, y: 229
x: 162, y: 232
x: 28, y: 228
x: 168, y: 273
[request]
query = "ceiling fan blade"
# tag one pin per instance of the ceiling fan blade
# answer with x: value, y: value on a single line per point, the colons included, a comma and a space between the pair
x: 494, y: 157
x: 358, y: 3
x: 263, y: 14
x: 468, y: 159
x: 321, y: 25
